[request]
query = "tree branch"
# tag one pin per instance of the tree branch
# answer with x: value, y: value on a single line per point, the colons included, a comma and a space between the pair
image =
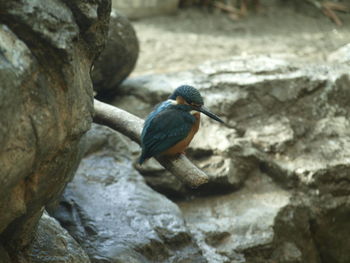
x: 131, y: 126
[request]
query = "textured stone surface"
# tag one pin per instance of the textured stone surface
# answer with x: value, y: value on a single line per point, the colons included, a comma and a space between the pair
x: 283, y: 110
x: 284, y: 121
x: 249, y: 225
x: 47, y: 48
x: 279, y: 187
x: 330, y: 227
x: 118, y: 58
x: 116, y: 217
x: 4, y: 257
x: 341, y: 55
x: 52, y: 244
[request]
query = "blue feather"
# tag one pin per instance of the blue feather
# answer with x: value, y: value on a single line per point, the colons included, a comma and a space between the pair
x: 164, y: 127
x: 160, y: 107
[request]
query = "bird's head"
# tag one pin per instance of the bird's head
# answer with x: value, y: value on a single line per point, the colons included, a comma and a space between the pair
x: 188, y: 95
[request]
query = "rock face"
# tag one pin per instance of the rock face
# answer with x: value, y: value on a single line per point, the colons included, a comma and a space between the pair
x: 283, y: 158
x: 115, y: 216
x: 279, y: 181
x: 53, y: 244
x: 118, y: 58
x: 341, y: 55
x: 47, y: 48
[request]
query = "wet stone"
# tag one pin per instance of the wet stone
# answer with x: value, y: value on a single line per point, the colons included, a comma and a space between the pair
x: 115, y: 216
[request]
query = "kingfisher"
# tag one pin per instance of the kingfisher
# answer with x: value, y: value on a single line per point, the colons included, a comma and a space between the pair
x: 171, y: 126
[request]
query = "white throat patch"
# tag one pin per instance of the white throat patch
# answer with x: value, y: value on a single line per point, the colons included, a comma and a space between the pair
x: 173, y: 102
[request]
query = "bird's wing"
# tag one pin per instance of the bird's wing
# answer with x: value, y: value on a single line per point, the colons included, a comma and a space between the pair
x: 165, y: 130
x: 157, y: 109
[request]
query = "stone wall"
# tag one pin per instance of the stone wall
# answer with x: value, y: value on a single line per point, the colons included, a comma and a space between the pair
x: 46, y: 52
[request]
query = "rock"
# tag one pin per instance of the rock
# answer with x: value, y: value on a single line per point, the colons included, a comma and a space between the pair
x: 118, y: 58
x: 274, y: 135
x: 47, y: 48
x: 4, y: 257
x: 286, y: 134
x: 293, y: 237
x: 266, y: 106
x: 135, y: 9
x: 330, y: 227
x: 226, y: 173
x: 341, y: 55
x: 221, y: 156
x: 115, y: 216
x: 52, y: 244
x: 157, y: 177
x: 249, y: 225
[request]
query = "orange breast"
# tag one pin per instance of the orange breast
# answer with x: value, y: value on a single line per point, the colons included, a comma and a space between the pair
x: 182, y: 145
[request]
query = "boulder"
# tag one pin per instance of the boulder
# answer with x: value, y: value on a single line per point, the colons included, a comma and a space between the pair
x: 286, y: 138
x: 4, y: 257
x: 52, y: 244
x: 118, y: 58
x: 47, y: 48
x: 261, y: 222
x: 114, y: 215
x: 341, y: 55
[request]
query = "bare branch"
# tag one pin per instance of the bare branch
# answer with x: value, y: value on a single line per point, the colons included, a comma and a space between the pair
x: 329, y: 8
x: 131, y: 126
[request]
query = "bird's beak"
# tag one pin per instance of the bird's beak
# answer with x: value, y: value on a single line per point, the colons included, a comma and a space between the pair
x: 209, y: 114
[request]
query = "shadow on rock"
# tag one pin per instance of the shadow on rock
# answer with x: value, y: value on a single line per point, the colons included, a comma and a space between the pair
x: 283, y: 155
x: 115, y: 216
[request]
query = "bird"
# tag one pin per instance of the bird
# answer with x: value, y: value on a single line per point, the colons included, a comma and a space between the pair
x: 171, y: 126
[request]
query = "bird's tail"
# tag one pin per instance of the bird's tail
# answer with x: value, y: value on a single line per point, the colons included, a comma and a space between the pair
x: 142, y: 159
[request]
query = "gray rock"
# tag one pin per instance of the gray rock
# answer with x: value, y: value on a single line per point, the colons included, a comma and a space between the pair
x: 135, y: 9
x: 47, y: 48
x: 52, y: 244
x: 4, y: 257
x: 293, y: 236
x: 116, y: 217
x: 227, y: 170
x: 330, y: 227
x: 157, y: 177
x: 275, y: 106
x: 118, y: 58
x: 341, y: 55
x: 250, y: 225
x: 286, y: 122
x: 221, y: 156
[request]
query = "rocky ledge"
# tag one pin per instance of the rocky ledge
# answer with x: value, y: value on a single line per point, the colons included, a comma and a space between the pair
x: 279, y: 183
